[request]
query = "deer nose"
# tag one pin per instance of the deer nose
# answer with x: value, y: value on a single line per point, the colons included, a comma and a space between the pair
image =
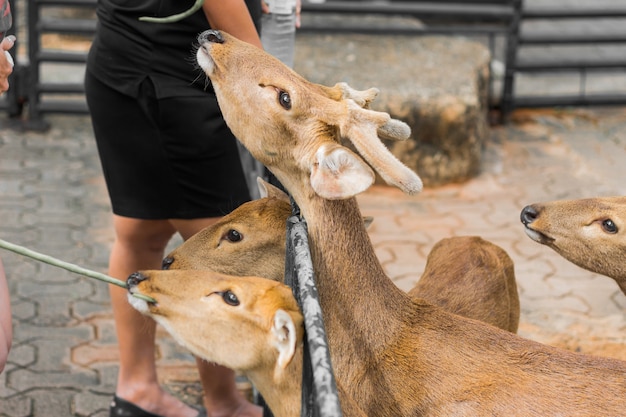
x: 211, y: 35
x: 167, y: 262
x: 134, y: 279
x: 528, y: 215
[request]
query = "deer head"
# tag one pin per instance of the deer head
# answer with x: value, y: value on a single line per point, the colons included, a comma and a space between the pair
x: 295, y: 127
x: 590, y: 232
x: 212, y: 313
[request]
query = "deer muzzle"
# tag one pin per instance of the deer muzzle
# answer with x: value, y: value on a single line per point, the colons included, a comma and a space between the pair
x: 211, y: 35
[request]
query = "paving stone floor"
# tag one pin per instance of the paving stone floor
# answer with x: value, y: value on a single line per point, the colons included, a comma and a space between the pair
x: 53, y: 200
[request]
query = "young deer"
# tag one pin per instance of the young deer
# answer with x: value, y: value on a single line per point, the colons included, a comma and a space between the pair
x: 477, y: 282
x: 249, y: 324
x: 394, y: 355
x: 589, y: 232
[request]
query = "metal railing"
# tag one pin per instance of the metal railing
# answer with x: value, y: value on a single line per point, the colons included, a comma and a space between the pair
x: 558, y: 32
x: 471, y: 17
x: 496, y: 19
x: 46, y: 96
x: 467, y: 16
x: 319, y: 389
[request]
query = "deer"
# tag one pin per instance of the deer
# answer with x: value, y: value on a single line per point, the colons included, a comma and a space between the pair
x: 589, y: 232
x: 477, y: 282
x: 252, y: 325
x: 393, y: 354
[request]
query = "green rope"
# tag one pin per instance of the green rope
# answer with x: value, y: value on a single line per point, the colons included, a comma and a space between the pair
x: 69, y: 267
x: 175, y: 17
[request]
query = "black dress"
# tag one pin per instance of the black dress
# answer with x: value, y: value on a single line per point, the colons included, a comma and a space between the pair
x: 165, y: 149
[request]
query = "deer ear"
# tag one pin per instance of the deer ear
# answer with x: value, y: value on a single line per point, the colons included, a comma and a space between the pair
x: 285, y: 337
x: 339, y: 173
x: 268, y: 190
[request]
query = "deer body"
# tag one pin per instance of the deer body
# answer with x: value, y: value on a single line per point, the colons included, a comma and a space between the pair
x: 396, y: 356
x: 249, y: 324
x: 477, y: 282
x: 589, y: 232
x: 471, y: 277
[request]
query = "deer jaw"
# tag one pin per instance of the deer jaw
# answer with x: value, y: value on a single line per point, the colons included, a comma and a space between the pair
x: 248, y: 324
x: 286, y: 112
x: 590, y: 233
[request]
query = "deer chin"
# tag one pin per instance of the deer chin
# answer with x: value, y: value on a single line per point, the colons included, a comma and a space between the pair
x: 204, y: 60
x: 538, y: 236
x: 138, y: 304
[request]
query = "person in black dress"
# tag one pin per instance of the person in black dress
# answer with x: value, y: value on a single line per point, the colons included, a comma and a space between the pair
x: 171, y: 165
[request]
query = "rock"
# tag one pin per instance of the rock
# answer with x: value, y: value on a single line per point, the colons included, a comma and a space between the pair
x: 436, y: 84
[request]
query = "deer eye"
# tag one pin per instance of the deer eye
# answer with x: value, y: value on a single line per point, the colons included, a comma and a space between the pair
x: 284, y: 99
x: 229, y: 297
x: 233, y: 236
x: 608, y: 226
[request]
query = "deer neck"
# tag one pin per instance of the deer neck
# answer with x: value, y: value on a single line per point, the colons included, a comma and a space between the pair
x: 281, y: 388
x: 356, y: 295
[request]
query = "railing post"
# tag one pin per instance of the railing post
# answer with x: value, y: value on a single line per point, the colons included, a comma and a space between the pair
x: 319, y: 389
x: 35, y: 118
x: 507, y: 99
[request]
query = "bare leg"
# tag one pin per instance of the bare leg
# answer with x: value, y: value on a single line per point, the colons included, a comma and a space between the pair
x: 139, y: 245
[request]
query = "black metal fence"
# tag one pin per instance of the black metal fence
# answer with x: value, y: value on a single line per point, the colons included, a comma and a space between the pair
x: 531, y: 41
x: 319, y: 388
x: 32, y: 94
x: 585, y: 42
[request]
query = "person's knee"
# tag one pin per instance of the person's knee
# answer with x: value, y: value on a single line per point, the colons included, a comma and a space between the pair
x: 148, y: 235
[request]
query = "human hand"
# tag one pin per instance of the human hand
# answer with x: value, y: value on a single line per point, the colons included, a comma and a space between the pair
x: 6, y: 62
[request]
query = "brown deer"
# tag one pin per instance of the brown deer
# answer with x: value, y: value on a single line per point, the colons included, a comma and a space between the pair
x: 249, y: 324
x: 394, y: 355
x: 477, y: 282
x: 590, y: 232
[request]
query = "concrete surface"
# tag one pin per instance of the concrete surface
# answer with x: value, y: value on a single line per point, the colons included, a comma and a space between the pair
x: 438, y: 85
x: 53, y: 200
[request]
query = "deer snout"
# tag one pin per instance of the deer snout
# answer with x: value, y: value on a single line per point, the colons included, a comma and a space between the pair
x: 167, y: 262
x: 211, y: 35
x: 134, y: 279
x: 528, y: 215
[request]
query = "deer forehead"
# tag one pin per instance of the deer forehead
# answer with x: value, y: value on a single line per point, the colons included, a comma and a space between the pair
x: 584, y: 212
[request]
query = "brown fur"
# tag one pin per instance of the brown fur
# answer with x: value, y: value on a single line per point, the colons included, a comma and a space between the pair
x: 472, y: 277
x: 253, y: 337
x: 477, y: 282
x: 396, y: 356
x: 578, y: 231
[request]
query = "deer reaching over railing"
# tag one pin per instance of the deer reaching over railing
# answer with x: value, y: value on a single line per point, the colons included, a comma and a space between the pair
x: 477, y: 282
x: 249, y: 324
x: 394, y: 355
x: 589, y: 232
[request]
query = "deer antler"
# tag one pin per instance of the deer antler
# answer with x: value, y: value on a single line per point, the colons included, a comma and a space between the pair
x: 363, y: 127
x: 362, y: 98
x: 393, y: 129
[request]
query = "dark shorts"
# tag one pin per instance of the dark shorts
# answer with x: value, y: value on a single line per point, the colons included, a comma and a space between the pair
x: 169, y: 158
